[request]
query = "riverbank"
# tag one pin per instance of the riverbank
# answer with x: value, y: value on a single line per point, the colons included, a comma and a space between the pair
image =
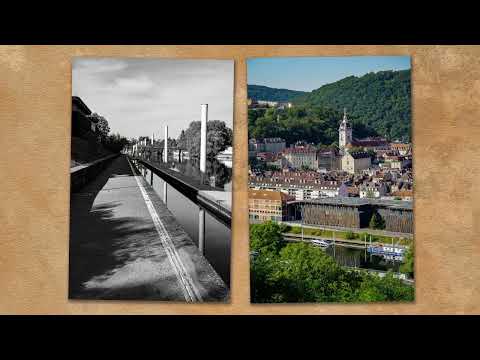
x: 352, y: 234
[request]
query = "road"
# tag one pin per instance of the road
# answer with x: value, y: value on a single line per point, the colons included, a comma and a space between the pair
x: 354, y: 244
x: 354, y: 230
x: 125, y: 244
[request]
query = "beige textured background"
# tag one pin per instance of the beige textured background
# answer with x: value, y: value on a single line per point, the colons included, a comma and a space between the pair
x: 35, y: 90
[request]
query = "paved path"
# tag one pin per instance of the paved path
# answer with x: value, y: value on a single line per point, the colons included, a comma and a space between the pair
x: 125, y: 244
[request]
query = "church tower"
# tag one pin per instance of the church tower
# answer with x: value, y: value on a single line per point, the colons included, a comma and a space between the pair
x: 344, y: 132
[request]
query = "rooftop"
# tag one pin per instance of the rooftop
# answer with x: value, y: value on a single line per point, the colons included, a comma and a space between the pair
x: 268, y: 195
x: 273, y: 140
x: 81, y: 105
x: 301, y: 150
x: 359, y: 154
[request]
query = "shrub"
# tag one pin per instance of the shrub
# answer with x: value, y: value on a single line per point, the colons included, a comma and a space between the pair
x: 295, y: 230
x: 376, y: 222
x: 350, y: 235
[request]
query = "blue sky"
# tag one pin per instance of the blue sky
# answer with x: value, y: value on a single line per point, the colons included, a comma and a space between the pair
x: 309, y: 73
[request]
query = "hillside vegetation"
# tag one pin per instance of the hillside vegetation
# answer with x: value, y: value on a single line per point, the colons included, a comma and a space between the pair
x: 381, y: 101
x: 378, y: 104
x: 258, y: 92
x: 318, y: 125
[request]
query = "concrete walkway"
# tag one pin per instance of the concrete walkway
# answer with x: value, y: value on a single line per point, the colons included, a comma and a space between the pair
x: 125, y: 244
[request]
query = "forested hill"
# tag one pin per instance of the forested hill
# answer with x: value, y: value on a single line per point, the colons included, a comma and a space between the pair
x: 258, y: 92
x: 381, y: 101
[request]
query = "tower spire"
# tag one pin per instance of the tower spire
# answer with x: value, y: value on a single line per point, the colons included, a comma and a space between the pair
x: 345, y: 113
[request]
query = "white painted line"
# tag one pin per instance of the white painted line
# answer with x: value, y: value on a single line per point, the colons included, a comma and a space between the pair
x: 190, y: 291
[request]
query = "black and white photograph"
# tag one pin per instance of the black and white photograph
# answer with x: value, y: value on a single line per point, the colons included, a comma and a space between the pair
x: 151, y: 179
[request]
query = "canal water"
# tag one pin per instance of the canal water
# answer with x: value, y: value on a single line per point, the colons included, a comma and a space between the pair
x: 186, y: 212
x: 217, y: 174
x: 356, y: 258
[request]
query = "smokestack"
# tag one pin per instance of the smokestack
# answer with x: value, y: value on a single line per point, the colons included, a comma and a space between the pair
x: 165, y: 150
x: 203, y: 138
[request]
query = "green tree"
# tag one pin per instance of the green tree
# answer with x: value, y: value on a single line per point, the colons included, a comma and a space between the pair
x: 376, y: 101
x: 376, y: 289
x: 308, y: 274
x: 259, y: 92
x: 219, y: 137
x: 300, y: 272
x: 408, y: 266
x: 349, y: 235
x: 377, y: 222
x: 115, y: 142
x: 182, y: 140
x: 263, y: 284
x: 102, y: 127
x: 266, y: 237
x: 312, y: 124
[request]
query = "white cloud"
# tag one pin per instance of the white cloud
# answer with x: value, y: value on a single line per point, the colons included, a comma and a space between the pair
x: 133, y: 85
x: 98, y: 65
x: 140, y: 96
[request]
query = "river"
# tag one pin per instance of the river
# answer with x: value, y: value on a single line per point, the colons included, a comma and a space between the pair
x: 357, y: 258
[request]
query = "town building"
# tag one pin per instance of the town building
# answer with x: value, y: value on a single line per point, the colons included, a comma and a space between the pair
x: 371, y: 143
x: 273, y: 145
x: 344, y: 132
x: 85, y: 144
x: 253, y: 145
x: 345, y: 137
x: 355, y: 162
x: 373, y: 190
x: 405, y: 195
x: 328, y: 159
x: 264, y: 205
x: 267, y: 103
x: 353, y: 213
x: 301, y: 188
x: 82, y: 120
x: 396, y: 162
x: 262, y: 104
x: 298, y: 157
x: 272, y: 160
x: 402, y: 148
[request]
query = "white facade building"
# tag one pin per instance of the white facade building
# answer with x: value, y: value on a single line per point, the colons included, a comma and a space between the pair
x: 344, y: 132
x: 355, y: 162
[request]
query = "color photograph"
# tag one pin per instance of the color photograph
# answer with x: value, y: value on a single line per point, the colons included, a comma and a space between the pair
x: 330, y: 179
x: 151, y: 179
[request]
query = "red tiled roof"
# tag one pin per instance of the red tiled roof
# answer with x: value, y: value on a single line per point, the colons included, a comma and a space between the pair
x: 269, y: 195
x: 369, y: 142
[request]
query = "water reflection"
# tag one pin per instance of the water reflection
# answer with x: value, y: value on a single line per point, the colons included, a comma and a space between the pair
x: 217, y: 174
x: 210, y: 235
x: 358, y: 258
